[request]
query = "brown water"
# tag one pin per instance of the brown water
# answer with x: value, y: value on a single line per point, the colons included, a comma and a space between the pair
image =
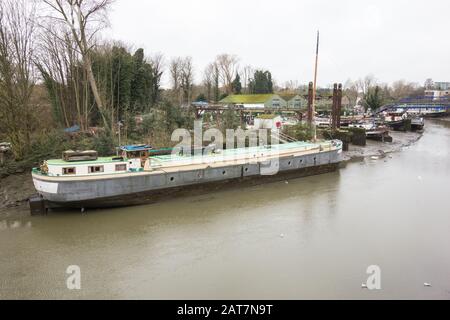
x: 311, y: 238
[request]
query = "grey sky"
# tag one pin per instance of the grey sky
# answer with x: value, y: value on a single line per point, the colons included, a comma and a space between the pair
x: 396, y: 39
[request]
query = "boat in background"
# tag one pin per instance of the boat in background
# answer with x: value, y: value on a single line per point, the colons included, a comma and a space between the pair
x: 374, y: 130
x: 417, y: 123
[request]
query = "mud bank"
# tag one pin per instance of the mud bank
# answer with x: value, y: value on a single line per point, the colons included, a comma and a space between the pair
x: 380, y: 149
x: 14, y: 192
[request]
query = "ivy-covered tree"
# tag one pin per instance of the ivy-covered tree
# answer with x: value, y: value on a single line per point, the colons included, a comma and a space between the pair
x: 261, y: 83
x: 373, y: 99
x: 129, y: 84
x: 236, y: 85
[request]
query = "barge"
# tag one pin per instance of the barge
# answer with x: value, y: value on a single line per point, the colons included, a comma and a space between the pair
x: 82, y: 180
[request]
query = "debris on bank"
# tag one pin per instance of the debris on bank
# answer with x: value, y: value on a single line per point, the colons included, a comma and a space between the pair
x: 381, y: 149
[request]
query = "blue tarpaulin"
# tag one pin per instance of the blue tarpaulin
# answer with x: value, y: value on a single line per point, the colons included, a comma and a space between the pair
x: 72, y: 129
x: 136, y: 148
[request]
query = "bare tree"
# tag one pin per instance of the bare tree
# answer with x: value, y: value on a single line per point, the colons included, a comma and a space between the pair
x: 247, y: 74
x: 402, y: 89
x: 364, y: 85
x: 175, y: 72
x: 228, y: 67
x: 208, y: 80
x: 291, y: 86
x: 17, y: 72
x: 429, y: 84
x: 351, y: 91
x: 175, y: 67
x: 157, y: 62
x: 187, y: 79
x: 58, y: 62
x: 84, y: 19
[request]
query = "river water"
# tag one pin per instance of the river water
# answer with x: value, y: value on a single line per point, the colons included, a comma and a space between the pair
x: 311, y: 238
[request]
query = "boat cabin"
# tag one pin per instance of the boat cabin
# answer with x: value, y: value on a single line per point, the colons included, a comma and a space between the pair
x: 141, y: 152
x: 87, y: 163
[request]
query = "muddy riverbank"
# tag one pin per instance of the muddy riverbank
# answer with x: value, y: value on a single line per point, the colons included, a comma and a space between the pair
x: 380, y: 149
x: 16, y: 189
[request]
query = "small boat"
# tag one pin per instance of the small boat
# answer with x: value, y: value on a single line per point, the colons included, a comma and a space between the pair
x: 374, y: 130
x: 417, y: 123
x: 323, y: 122
x: 397, y: 121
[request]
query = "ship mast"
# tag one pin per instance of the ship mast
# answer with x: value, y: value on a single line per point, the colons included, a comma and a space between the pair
x: 315, y: 89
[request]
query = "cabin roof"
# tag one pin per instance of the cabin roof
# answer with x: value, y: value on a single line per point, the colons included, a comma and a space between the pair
x: 99, y: 161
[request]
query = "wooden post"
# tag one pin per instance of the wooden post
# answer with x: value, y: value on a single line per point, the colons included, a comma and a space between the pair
x: 339, y: 106
x: 315, y: 87
x: 310, y: 104
x: 334, y: 108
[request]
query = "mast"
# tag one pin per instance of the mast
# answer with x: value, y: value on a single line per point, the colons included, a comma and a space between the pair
x: 315, y: 88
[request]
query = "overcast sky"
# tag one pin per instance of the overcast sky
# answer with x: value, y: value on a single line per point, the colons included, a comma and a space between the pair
x: 391, y: 39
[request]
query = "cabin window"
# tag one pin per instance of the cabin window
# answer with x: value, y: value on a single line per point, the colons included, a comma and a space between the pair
x: 69, y: 171
x: 96, y: 169
x: 121, y: 167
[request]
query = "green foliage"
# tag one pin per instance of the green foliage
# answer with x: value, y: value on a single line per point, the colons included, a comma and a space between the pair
x: 230, y: 120
x: 127, y: 83
x: 223, y: 96
x: 300, y: 132
x: 343, y: 135
x: 236, y: 85
x: 103, y: 144
x: 373, y: 99
x: 261, y: 83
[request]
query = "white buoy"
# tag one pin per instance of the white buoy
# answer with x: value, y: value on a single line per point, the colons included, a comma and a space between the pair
x: 282, y: 235
x: 287, y: 182
x: 427, y: 284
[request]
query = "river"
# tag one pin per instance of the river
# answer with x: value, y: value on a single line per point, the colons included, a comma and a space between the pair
x: 311, y: 238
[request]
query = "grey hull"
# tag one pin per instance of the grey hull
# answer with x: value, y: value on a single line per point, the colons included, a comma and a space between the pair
x: 141, y: 189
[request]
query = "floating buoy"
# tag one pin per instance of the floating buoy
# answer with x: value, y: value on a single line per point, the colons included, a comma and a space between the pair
x: 287, y: 182
x: 282, y: 235
x: 427, y: 284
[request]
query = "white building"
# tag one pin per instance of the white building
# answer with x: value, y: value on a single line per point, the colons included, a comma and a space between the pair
x: 268, y: 121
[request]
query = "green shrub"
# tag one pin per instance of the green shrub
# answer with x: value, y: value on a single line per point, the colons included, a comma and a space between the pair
x: 300, y: 132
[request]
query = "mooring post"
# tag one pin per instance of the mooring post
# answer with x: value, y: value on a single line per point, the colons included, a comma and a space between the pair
x: 339, y: 106
x: 334, y: 108
x: 310, y: 104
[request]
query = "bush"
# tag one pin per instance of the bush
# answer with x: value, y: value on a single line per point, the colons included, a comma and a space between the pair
x: 300, y: 132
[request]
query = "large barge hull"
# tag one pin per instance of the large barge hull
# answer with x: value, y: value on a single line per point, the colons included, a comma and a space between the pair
x: 145, y: 188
